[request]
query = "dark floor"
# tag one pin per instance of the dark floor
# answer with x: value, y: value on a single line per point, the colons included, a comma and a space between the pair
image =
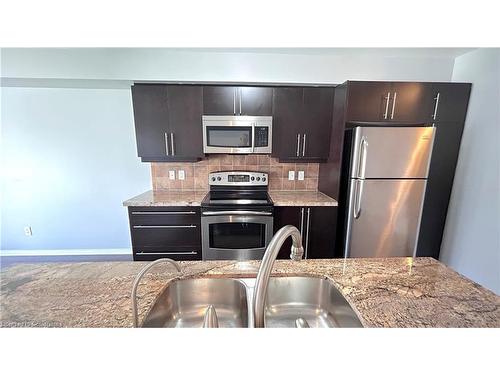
x: 11, y: 260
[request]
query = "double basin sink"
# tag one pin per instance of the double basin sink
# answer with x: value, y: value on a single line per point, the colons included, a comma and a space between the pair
x: 183, y: 303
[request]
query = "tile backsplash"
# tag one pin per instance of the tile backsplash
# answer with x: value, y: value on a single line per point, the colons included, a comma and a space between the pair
x: 196, y: 174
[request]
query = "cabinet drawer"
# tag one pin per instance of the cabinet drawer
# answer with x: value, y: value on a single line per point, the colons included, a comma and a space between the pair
x: 168, y: 236
x: 142, y: 217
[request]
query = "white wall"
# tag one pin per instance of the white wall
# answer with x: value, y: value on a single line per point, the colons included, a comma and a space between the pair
x: 471, y: 242
x: 70, y: 153
x: 311, y: 66
x: 68, y: 161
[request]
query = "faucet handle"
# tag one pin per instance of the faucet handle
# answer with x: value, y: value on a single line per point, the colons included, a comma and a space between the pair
x: 297, y: 253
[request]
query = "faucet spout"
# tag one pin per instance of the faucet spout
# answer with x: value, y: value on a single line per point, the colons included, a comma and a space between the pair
x: 262, y: 281
x: 210, y: 320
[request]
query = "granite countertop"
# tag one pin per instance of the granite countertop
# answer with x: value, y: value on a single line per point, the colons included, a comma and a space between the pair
x: 167, y: 198
x: 392, y: 292
x: 301, y: 198
x: 194, y: 197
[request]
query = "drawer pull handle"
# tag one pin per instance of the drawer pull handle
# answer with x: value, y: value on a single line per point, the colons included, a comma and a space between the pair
x: 163, y: 213
x: 172, y: 253
x: 163, y: 226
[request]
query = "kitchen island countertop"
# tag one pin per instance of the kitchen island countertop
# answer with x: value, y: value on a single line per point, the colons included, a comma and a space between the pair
x: 391, y: 292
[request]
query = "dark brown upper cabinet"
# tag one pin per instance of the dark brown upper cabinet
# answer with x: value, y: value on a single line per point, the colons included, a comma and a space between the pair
x: 287, y: 122
x: 237, y: 100
x: 168, y: 122
x: 449, y: 101
x: 388, y: 102
x: 302, y: 121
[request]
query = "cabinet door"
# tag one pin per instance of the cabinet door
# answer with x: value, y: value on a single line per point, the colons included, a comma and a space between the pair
x: 411, y: 102
x: 185, y: 107
x: 219, y: 100
x: 287, y: 216
x: 151, y: 119
x: 439, y: 184
x: 255, y: 101
x: 317, y: 122
x: 287, y: 122
x: 320, y: 229
x: 367, y: 101
x: 451, y: 105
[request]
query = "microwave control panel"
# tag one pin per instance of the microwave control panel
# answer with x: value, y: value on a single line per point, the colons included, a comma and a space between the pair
x: 261, y: 136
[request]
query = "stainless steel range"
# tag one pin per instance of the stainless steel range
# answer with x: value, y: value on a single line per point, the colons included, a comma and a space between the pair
x: 236, y: 216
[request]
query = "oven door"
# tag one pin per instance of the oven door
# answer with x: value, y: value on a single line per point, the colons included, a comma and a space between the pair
x: 235, y: 236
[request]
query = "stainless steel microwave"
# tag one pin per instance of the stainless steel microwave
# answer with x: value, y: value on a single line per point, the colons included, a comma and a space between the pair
x: 237, y: 134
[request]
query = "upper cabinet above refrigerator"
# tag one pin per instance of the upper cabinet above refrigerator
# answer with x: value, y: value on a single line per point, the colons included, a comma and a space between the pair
x: 389, y: 102
x: 237, y: 100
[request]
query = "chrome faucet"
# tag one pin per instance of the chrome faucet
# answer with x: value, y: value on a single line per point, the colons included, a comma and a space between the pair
x: 138, y: 279
x: 262, y: 281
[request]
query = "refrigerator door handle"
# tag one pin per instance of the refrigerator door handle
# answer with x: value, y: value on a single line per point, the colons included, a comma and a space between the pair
x: 362, y: 157
x: 357, y: 198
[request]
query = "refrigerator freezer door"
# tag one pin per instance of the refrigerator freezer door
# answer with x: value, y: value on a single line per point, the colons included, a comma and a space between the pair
x: 384, y: 217
x: 382, y: 152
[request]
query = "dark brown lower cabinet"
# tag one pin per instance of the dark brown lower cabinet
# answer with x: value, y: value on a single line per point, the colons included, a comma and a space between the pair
x: 165, y: 232
x: 317, y: 226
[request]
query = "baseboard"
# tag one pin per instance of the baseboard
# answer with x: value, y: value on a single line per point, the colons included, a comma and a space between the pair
x: 63, y: 252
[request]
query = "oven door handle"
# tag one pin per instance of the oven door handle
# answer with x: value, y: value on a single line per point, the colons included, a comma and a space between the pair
x: 251, y: 213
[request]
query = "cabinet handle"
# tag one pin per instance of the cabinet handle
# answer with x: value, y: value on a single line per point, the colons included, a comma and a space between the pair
x: 307, y: 231
x: 166, y: 144
x: 234, y: 101
x: 298, y: 144
x: 436, y: 106
x: 394, y: 104
x: 163, y: 226
x: 304, y: 145
x: 240, y: 98
x: 387, y: 98
x: 163, y: 212
x: 169, y: 253
x: 172, y: 142
x: 302, y: 223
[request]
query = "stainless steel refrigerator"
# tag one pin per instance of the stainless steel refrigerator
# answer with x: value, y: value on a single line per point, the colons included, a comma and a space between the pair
x: 385, y: 180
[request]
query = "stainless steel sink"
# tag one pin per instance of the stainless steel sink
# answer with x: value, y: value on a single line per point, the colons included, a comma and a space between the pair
x: 314, y: 299
x: 183, y: 303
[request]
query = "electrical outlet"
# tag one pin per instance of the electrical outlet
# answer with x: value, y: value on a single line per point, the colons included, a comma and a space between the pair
x: 27, y: 231
x: 181, y: 175
x: 300, y: 175
x: 291, y: 175
x: 171, y: 175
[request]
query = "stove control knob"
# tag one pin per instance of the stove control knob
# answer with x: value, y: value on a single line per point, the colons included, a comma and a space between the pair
x: 263, y: 179
x: 252, y: 178
x: 258, y: 178
x: 218, y: 179
x: 213, y: 178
